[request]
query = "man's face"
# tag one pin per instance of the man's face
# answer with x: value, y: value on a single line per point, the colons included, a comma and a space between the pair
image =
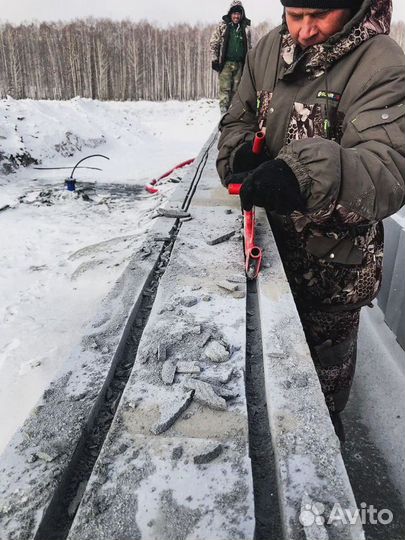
x: 236, y: 17
x: 312, y: 26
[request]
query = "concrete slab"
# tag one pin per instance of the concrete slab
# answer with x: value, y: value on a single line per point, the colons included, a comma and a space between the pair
x: 141, y: 491
x: 181, y: 498
x: 307, y: 452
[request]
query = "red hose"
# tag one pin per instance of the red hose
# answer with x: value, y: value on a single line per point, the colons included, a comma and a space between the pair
x: 149, y: 187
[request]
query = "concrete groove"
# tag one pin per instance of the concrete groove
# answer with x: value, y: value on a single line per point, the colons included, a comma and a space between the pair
x: 57, y: 521
x: 61, y: 512
x: 267, y: 512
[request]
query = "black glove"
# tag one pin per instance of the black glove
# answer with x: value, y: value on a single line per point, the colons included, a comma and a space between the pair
x: 216, y: 66
x: 272, y: 185
x: 245, y: 160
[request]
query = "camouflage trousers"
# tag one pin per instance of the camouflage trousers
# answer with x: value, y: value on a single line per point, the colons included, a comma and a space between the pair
x: 332, y: 339
x: 331, y: 333
x: 229, y: 80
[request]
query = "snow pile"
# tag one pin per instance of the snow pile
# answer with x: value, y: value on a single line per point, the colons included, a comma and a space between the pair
x: 62, y: 251
x: 139, y: 137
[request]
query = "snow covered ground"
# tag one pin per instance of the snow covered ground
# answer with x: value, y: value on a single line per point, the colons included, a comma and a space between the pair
x: 61, y: 251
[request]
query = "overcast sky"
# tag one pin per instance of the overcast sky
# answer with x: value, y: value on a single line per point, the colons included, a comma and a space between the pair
x: 159, y: 11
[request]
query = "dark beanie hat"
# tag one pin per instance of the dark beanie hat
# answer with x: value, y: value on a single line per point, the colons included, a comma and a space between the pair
x: 322, y: 4
x: 236, y: 9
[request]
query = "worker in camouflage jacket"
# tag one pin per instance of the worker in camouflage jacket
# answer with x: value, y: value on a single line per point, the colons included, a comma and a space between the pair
x: 328, y: 86
x: 229, y: 44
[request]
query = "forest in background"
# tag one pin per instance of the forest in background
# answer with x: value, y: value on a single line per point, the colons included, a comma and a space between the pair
x: 108, y: 60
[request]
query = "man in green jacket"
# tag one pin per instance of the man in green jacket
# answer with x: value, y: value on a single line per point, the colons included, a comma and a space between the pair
x: 328, y: 86
x: 229, y: 44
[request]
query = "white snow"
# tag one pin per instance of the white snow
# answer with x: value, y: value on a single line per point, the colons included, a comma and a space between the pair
x: 60, y: 254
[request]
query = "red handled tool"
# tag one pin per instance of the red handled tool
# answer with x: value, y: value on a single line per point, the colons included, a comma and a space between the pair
x: 253, y: 253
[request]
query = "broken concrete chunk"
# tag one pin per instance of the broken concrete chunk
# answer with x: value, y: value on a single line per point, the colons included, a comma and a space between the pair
x: 224, y: 392
x: 189, y: 301
x: 216, y: 352
x: 217, y: 378
x: 231, y: 287
x: 209, y: 455
x: 171, y: 413
x: 47, y: 456
x: 215, y: 239
x: 205, y: 395
x: 238, y: 294
x: 168, y: 372
x: 188, y: 367
x: 173, y: 212
x: 236, y: 279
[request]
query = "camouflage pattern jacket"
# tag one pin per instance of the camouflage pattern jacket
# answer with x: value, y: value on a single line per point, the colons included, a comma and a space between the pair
x: 335, y: 114
x: 220, y: 37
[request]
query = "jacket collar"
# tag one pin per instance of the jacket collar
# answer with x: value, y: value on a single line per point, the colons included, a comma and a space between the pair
x: 373, y: 18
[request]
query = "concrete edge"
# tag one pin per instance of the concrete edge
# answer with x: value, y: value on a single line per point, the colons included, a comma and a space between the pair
x: 308, y: 460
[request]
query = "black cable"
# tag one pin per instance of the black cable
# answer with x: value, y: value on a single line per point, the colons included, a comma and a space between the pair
x: 58, y: 168
x: 81, y: 161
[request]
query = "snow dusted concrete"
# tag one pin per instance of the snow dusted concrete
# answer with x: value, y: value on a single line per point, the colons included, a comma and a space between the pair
x: 151, y: 484
x: 311, y: 473
x: 35, y: 462
x: 175, y: 464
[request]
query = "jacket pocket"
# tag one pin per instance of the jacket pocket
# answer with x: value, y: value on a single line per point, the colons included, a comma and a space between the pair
x: 390, y: 119
x: 340, y: 251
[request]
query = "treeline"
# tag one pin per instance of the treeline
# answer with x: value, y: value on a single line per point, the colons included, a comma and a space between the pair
x: 107, y: 60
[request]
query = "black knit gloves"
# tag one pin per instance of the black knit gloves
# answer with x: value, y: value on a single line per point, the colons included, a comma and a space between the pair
x: 271, y: 185
x: 245, y: 160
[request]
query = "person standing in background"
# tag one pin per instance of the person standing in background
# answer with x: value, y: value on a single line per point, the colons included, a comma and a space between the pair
x: 229, y: 45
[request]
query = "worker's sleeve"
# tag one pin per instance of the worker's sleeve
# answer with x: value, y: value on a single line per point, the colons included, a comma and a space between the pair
x: 215, y: 44
x: 239, y: 124
x: 362, y: 179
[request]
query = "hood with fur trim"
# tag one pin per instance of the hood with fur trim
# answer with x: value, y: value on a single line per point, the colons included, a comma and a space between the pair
x: 236, y: 3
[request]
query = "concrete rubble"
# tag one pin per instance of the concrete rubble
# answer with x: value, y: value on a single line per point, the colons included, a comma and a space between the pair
x: 171, y: 413
x: 205, y: 394
x: 175, y: 464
